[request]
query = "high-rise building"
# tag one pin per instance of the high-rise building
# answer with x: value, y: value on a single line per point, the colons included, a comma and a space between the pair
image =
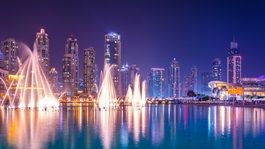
x: 89, y: 71
x: 206, y: 78
x: 133, y: 70
x: 42, y: 45
x: 128, y: 74
x: 194, y: 79
x: 54, y: 80
x: 96, y: 78
x: 10, y: 52
x: 187, y: 85
x: 156, y: 83
x: 3, y: 72
x: 125, y: 79
x: 112, y: 49
x: 71, y: 67
x: 174, y: 87
x: 2, y: 61
x: 216, y: 70
x: 234, y: 64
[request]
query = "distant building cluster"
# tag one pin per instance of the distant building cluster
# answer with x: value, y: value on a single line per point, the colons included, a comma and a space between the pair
x: 161, y: 82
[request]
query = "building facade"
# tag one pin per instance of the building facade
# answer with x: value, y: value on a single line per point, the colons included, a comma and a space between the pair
x: 128, y: 74
x: 226, y: 91
x: 125, y: 82
x: 2, y: 60
x: 156, y: 83
x: 194, y: 79
x: 3, y: 73
x: 10, y: 53
x: 42, y: 45
x: 206, y: 78
x: 89, y: 71
x: 187, y: 85
x: 54, y: 80
x: 71, y: 67
x: 96, y: 78
x: 253, y: 87
x: 216, y: 70
x: 112, y: 52
x: 234, y: 64
x: 174, y: 85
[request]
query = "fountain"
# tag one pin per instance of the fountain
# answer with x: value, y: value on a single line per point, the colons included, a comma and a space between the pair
x: 106, y: 95
x: 139, y: 98
x: 143, y: 99
x: 137, y: 91
x: 29, y: 88
x: 129, y: 96
x: 136, y: 97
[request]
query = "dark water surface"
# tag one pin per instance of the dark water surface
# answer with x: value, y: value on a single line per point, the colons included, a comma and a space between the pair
x: 162, y: 126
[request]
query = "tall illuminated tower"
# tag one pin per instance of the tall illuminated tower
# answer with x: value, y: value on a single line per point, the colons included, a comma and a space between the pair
x: 42, y: 44
x: 71, y: 67
x: 133, y: 70
x: 174, y: 79
x: 191, y: 81
x: 194, y: 79
x: 216, y: 70
x: 128, y: 74
x: 10, y: 53
x: 3, y: 72
x: 156, y: 83
x: 125, y: 82
x: 187, y: 85
x: 54, y: 80
x: 89, y: 71
x: 234, y: 64
x: 205, y: 79
x: 112, y: 52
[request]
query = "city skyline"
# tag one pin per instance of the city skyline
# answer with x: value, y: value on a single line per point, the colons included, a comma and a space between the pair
x: 146, y: 42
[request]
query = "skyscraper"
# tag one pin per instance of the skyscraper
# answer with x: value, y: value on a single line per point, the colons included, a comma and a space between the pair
x: 234, y: 64
x: 133, y: 70
x: 89, y: 71
x: 125, y: 79
x: 194, y: 79
x: 54, y: 80
x: 206, y: 78
x: 174, y: 79
x: 96, y: 78
x: 187, y: 85
x: 3, y: 72
x: 112, y: 49
x: 128, y: 74
x: 191, y: 81
x: 216, y: 70
x: 2, y: 60
x: 156, y: 83
x: 10, y: 52
x: 42, y: 45
x: 71, y: 67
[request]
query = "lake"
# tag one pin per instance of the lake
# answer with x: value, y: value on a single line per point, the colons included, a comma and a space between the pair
x: 153, y: 126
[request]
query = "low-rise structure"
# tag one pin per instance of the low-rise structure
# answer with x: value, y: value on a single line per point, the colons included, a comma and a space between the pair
x: 226, y: 91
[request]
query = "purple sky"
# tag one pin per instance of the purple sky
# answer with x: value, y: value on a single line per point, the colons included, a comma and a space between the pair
x: 152, y: 32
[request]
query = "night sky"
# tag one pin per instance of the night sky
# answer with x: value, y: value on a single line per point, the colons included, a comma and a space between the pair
x: 152, y: 32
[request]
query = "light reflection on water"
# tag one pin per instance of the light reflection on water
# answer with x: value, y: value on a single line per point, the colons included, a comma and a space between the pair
x: 167, y: 126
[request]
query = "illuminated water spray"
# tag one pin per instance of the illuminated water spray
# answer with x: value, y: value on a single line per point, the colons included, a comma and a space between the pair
x: 29, y: 87
x: 136, y: 96
x: 107, y: 94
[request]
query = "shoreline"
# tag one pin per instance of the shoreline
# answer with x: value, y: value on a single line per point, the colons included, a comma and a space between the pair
x: 194, y: 103
x: 228, y: 105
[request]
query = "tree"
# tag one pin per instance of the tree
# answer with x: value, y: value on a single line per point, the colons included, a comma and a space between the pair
x: 191, y: 93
